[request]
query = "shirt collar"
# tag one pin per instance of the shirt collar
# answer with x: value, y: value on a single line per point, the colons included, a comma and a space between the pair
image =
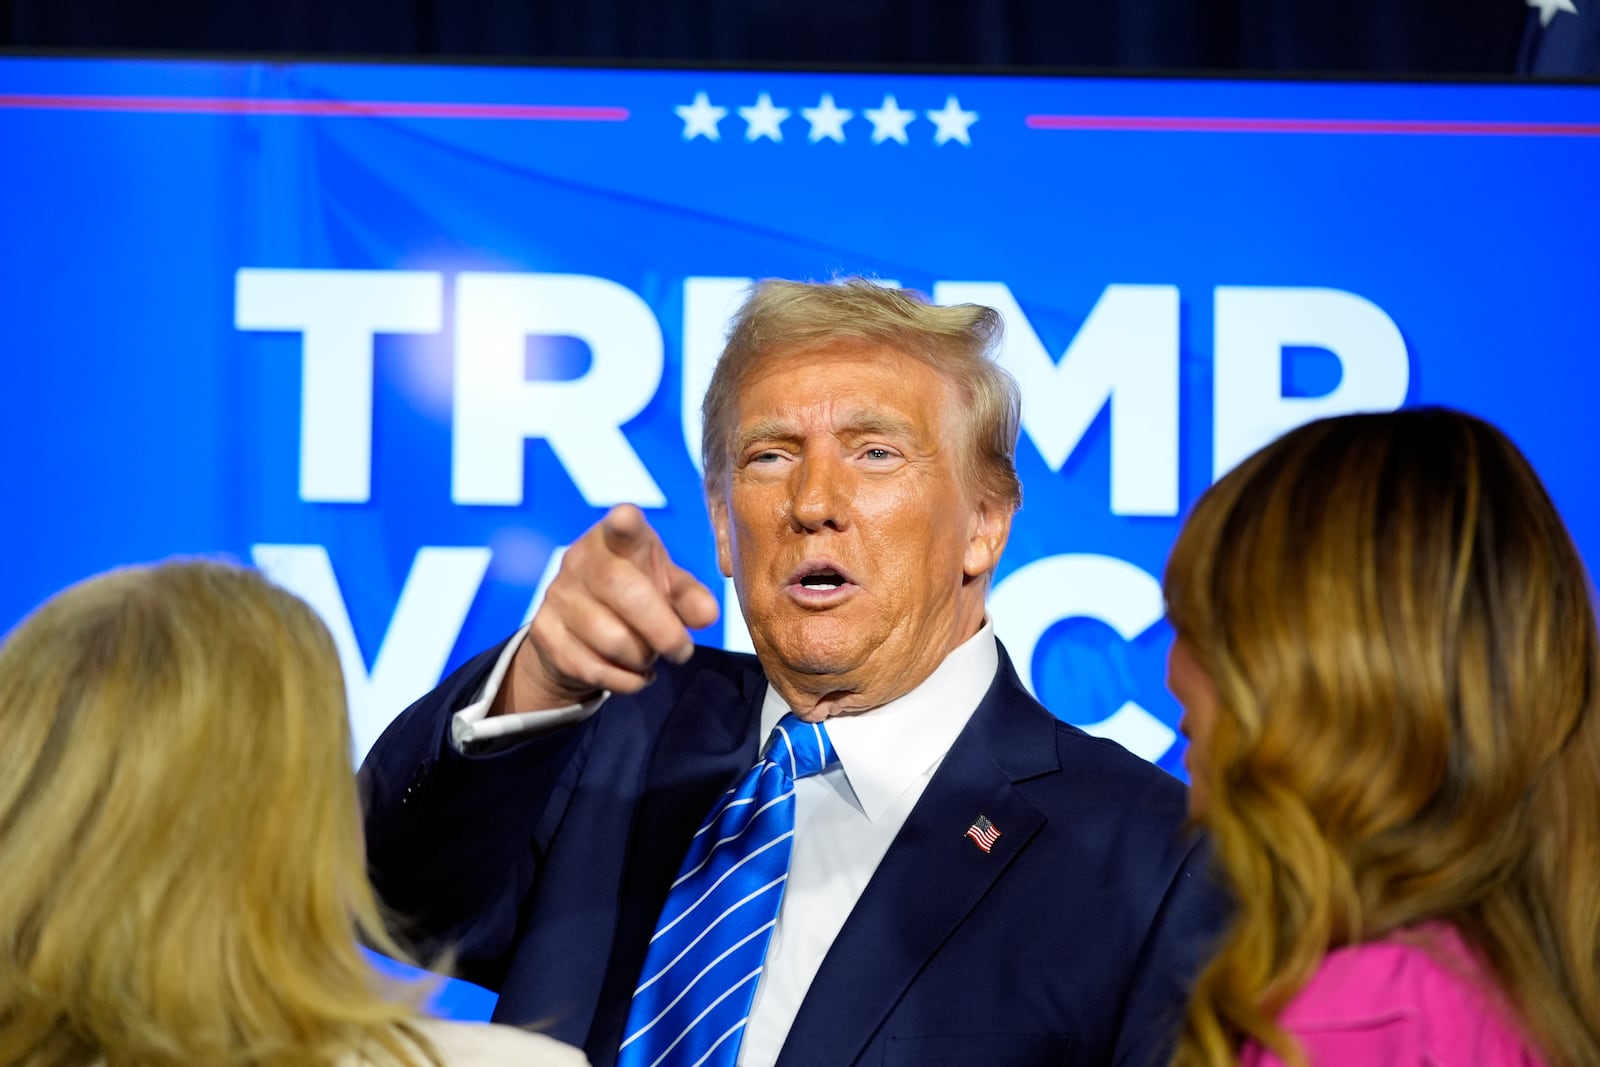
x: 885, y: 750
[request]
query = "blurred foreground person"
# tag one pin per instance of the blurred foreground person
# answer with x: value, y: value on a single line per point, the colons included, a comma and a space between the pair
x: 183, y: 877
x: 1387, y: 656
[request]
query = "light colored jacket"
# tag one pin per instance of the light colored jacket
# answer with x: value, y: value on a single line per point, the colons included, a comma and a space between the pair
x: 480, y: 1044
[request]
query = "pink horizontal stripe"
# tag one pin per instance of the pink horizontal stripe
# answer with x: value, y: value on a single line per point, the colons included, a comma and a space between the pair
x: 398, y: 109
x: 1225, y: 124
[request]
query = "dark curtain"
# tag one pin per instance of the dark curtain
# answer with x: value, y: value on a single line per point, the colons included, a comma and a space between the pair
x: 1386, y: 36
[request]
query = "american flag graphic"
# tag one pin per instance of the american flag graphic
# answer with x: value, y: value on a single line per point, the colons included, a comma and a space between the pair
x: 983, y: 833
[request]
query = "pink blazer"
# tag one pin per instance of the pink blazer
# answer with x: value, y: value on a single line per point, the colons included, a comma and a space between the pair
x: 1416, y: 999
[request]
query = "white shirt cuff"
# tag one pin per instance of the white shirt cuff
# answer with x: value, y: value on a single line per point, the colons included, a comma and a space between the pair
x: 472, y: 724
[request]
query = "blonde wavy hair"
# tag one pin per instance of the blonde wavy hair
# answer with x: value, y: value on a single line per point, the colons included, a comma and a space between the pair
x: 781, y: 319
x: 1403, y: 642
x: 184, y: 879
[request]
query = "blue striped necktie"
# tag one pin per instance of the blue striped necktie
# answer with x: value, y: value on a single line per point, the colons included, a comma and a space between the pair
x: 701, y: 969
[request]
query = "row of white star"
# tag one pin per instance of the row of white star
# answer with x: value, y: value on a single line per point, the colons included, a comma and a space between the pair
x: 1549, y: 9
x: 764, y: 119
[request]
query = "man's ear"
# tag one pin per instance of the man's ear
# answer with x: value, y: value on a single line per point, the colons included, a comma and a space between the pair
x: 991, y: 527
x: 717, y: 504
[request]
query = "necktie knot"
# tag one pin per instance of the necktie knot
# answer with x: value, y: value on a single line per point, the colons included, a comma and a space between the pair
x: 799, y: 748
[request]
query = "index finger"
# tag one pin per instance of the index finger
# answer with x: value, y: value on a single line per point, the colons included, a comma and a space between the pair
x: 627, y: 534
x: 675, y: 601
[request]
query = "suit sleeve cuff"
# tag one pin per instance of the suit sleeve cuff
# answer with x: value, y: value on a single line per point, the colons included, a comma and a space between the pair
x: 472, y: 731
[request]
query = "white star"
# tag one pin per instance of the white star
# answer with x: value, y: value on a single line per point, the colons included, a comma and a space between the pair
x: 700, y: 118
x: 827, y: 120
x: 889, y: 121
x: 763, y: 119
x: 952, y: 122
x: 1548, y: 9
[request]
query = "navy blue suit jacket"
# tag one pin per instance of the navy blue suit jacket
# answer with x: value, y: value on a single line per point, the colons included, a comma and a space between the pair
x: 544, y: 866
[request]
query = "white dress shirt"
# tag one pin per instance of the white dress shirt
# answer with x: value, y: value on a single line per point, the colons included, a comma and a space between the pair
x: 845, y: 819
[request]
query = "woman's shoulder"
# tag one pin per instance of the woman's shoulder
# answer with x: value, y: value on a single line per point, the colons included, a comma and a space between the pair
x: 466, y: 1044
x: 1419, y: 995
x: 1425, y: 968
x: 475, y: 1044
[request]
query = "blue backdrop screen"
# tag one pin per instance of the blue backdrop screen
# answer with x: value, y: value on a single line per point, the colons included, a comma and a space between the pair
x: 399, y: 334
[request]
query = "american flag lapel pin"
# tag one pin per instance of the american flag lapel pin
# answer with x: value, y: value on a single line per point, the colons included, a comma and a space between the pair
x: 983, y: 832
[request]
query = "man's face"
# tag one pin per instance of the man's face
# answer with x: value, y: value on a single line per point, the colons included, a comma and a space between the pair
x: 858, y: 552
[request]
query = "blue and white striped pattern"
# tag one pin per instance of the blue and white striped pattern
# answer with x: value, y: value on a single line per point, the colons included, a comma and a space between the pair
x: 705, y: 959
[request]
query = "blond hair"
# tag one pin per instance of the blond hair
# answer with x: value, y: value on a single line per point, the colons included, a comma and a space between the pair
x: 1404, y: 646
x: 184, y: 880
x: 781, y: 319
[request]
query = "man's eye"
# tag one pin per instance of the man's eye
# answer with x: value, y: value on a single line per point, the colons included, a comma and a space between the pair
x: 878, y: 453
x: 764, y: 457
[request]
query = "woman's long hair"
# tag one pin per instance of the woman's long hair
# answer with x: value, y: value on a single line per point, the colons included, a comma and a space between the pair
x: 182, y: 878
x: 1403, y: 642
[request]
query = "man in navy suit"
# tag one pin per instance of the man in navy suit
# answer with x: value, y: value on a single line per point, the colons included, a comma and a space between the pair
x: 974, y: 882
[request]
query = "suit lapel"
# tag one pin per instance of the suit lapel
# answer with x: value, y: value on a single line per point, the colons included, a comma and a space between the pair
x: 932, y: 877
x: 705, y: 742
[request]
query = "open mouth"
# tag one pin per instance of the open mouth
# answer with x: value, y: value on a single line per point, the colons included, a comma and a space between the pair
x: 822, y: 580
x: 819, y: 578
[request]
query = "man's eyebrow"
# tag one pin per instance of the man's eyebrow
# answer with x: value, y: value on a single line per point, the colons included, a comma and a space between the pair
x: 868, y: 423
x: 861, y: 423
x: 768, y: 429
